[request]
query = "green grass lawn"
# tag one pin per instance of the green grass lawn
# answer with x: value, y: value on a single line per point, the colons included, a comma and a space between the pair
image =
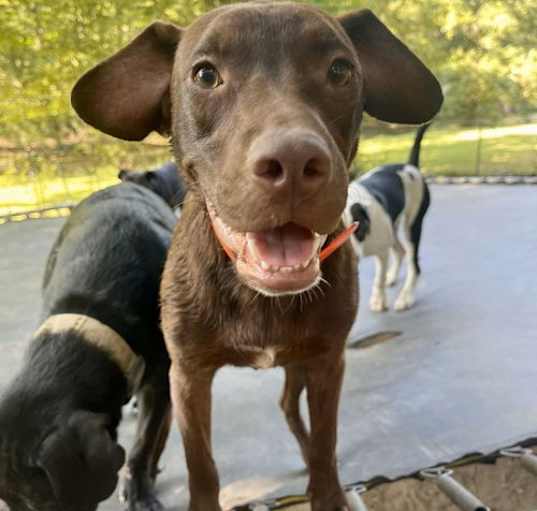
x: 445, y: 151
x: 453, y: 151
x: 28, y: 194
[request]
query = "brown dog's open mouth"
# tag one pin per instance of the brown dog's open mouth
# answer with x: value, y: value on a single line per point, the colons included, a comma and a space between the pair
x: 278, y: 261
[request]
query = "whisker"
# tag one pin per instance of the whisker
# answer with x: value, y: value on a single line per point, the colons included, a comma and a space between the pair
x: 324, y: 281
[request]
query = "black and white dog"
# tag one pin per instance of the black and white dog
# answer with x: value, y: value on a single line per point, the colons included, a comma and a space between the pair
x: 385, y: 201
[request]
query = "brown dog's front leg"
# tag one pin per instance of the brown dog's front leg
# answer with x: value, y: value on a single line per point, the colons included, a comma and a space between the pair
x: 191, y: 396
x: 324, y: 379
x: 295, y: 383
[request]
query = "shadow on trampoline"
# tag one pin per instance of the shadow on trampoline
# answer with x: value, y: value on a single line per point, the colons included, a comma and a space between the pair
x: 373, y: 340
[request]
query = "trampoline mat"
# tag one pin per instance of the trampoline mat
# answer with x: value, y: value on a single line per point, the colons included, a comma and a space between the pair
x: 454, y: 375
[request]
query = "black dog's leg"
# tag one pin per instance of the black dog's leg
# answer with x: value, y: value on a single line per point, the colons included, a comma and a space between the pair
x: 152, y: 431
x: 163, y: 434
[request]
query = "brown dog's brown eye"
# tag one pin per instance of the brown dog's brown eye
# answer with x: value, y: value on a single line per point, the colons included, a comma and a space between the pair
x: 207, y: 76
x: 340, y: 72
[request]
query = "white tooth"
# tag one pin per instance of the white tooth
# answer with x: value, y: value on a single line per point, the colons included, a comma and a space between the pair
x: 265, y: 266
x: 287, y: 269
x: 242, y: 251
x: 251, y: 247
x: 320, y: 239
x: 318, y: 242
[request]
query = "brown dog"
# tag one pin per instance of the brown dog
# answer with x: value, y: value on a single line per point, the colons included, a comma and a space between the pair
x: 264, y: 101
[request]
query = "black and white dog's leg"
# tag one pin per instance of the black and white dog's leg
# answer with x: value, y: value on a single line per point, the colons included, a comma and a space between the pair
x: 406, y: 298
x: 411, y: 243
x: 397, y: 252
x: 378, y: 302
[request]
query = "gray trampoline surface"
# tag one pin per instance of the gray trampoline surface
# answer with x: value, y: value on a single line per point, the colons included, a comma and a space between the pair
x: 460, y: 378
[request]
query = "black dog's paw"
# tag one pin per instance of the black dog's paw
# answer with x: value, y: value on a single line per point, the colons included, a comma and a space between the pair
x: 138, y: 495
x: 150, y: 503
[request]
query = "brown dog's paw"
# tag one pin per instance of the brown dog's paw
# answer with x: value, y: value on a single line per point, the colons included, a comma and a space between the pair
x: 207, y: 505
x: 330, y: 502
x: 329, y: 507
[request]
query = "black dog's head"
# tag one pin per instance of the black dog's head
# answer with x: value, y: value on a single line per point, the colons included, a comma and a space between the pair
x: 57, y: 453
x: 69, y: 467
x: 359, y: 214
x: 164, y: 181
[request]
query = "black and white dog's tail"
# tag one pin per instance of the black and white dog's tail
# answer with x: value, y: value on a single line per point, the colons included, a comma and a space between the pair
x: 414, y: 157
x: 415, y: 229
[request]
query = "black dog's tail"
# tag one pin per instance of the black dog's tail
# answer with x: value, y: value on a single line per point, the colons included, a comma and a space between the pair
x: 414, y: 158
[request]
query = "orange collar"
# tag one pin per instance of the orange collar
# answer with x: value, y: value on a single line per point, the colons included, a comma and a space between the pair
x: 341, y: 238
x: 327, y: 251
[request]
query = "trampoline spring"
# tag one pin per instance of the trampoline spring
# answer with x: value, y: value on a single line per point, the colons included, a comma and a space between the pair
x: 526, y: 456
x: 354, y: 498
x: 454, y: 490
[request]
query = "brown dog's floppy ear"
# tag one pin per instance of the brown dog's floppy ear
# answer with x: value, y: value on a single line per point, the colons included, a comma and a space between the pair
x: 398, y: 87
x: 127, y: 95
x: 82, y: 462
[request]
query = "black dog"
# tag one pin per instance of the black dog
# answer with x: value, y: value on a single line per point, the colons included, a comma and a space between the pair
x: 164, y: 180
x: 100, y: 327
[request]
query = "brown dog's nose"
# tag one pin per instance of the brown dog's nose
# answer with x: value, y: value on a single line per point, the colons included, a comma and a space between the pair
x: 296, y: 160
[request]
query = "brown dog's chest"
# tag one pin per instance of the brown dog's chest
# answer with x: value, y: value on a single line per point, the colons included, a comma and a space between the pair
x: 261, y: 350
x: 218, y: 321
x: 265, y: 344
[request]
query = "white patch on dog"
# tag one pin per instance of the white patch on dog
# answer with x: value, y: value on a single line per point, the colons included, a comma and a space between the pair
x: 397, y: 253
x: 378, y: 301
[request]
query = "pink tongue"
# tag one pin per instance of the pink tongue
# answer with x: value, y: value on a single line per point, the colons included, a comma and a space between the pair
x: 288, y: 245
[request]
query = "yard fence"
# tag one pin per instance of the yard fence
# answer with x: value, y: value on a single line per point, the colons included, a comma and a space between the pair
x: 40, y: 180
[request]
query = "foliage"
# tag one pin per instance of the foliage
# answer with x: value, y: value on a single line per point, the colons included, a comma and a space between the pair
x: 47, y: 44
x: 483, y: 51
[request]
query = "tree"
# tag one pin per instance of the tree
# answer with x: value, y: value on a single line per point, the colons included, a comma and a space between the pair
x: 483, y: 51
